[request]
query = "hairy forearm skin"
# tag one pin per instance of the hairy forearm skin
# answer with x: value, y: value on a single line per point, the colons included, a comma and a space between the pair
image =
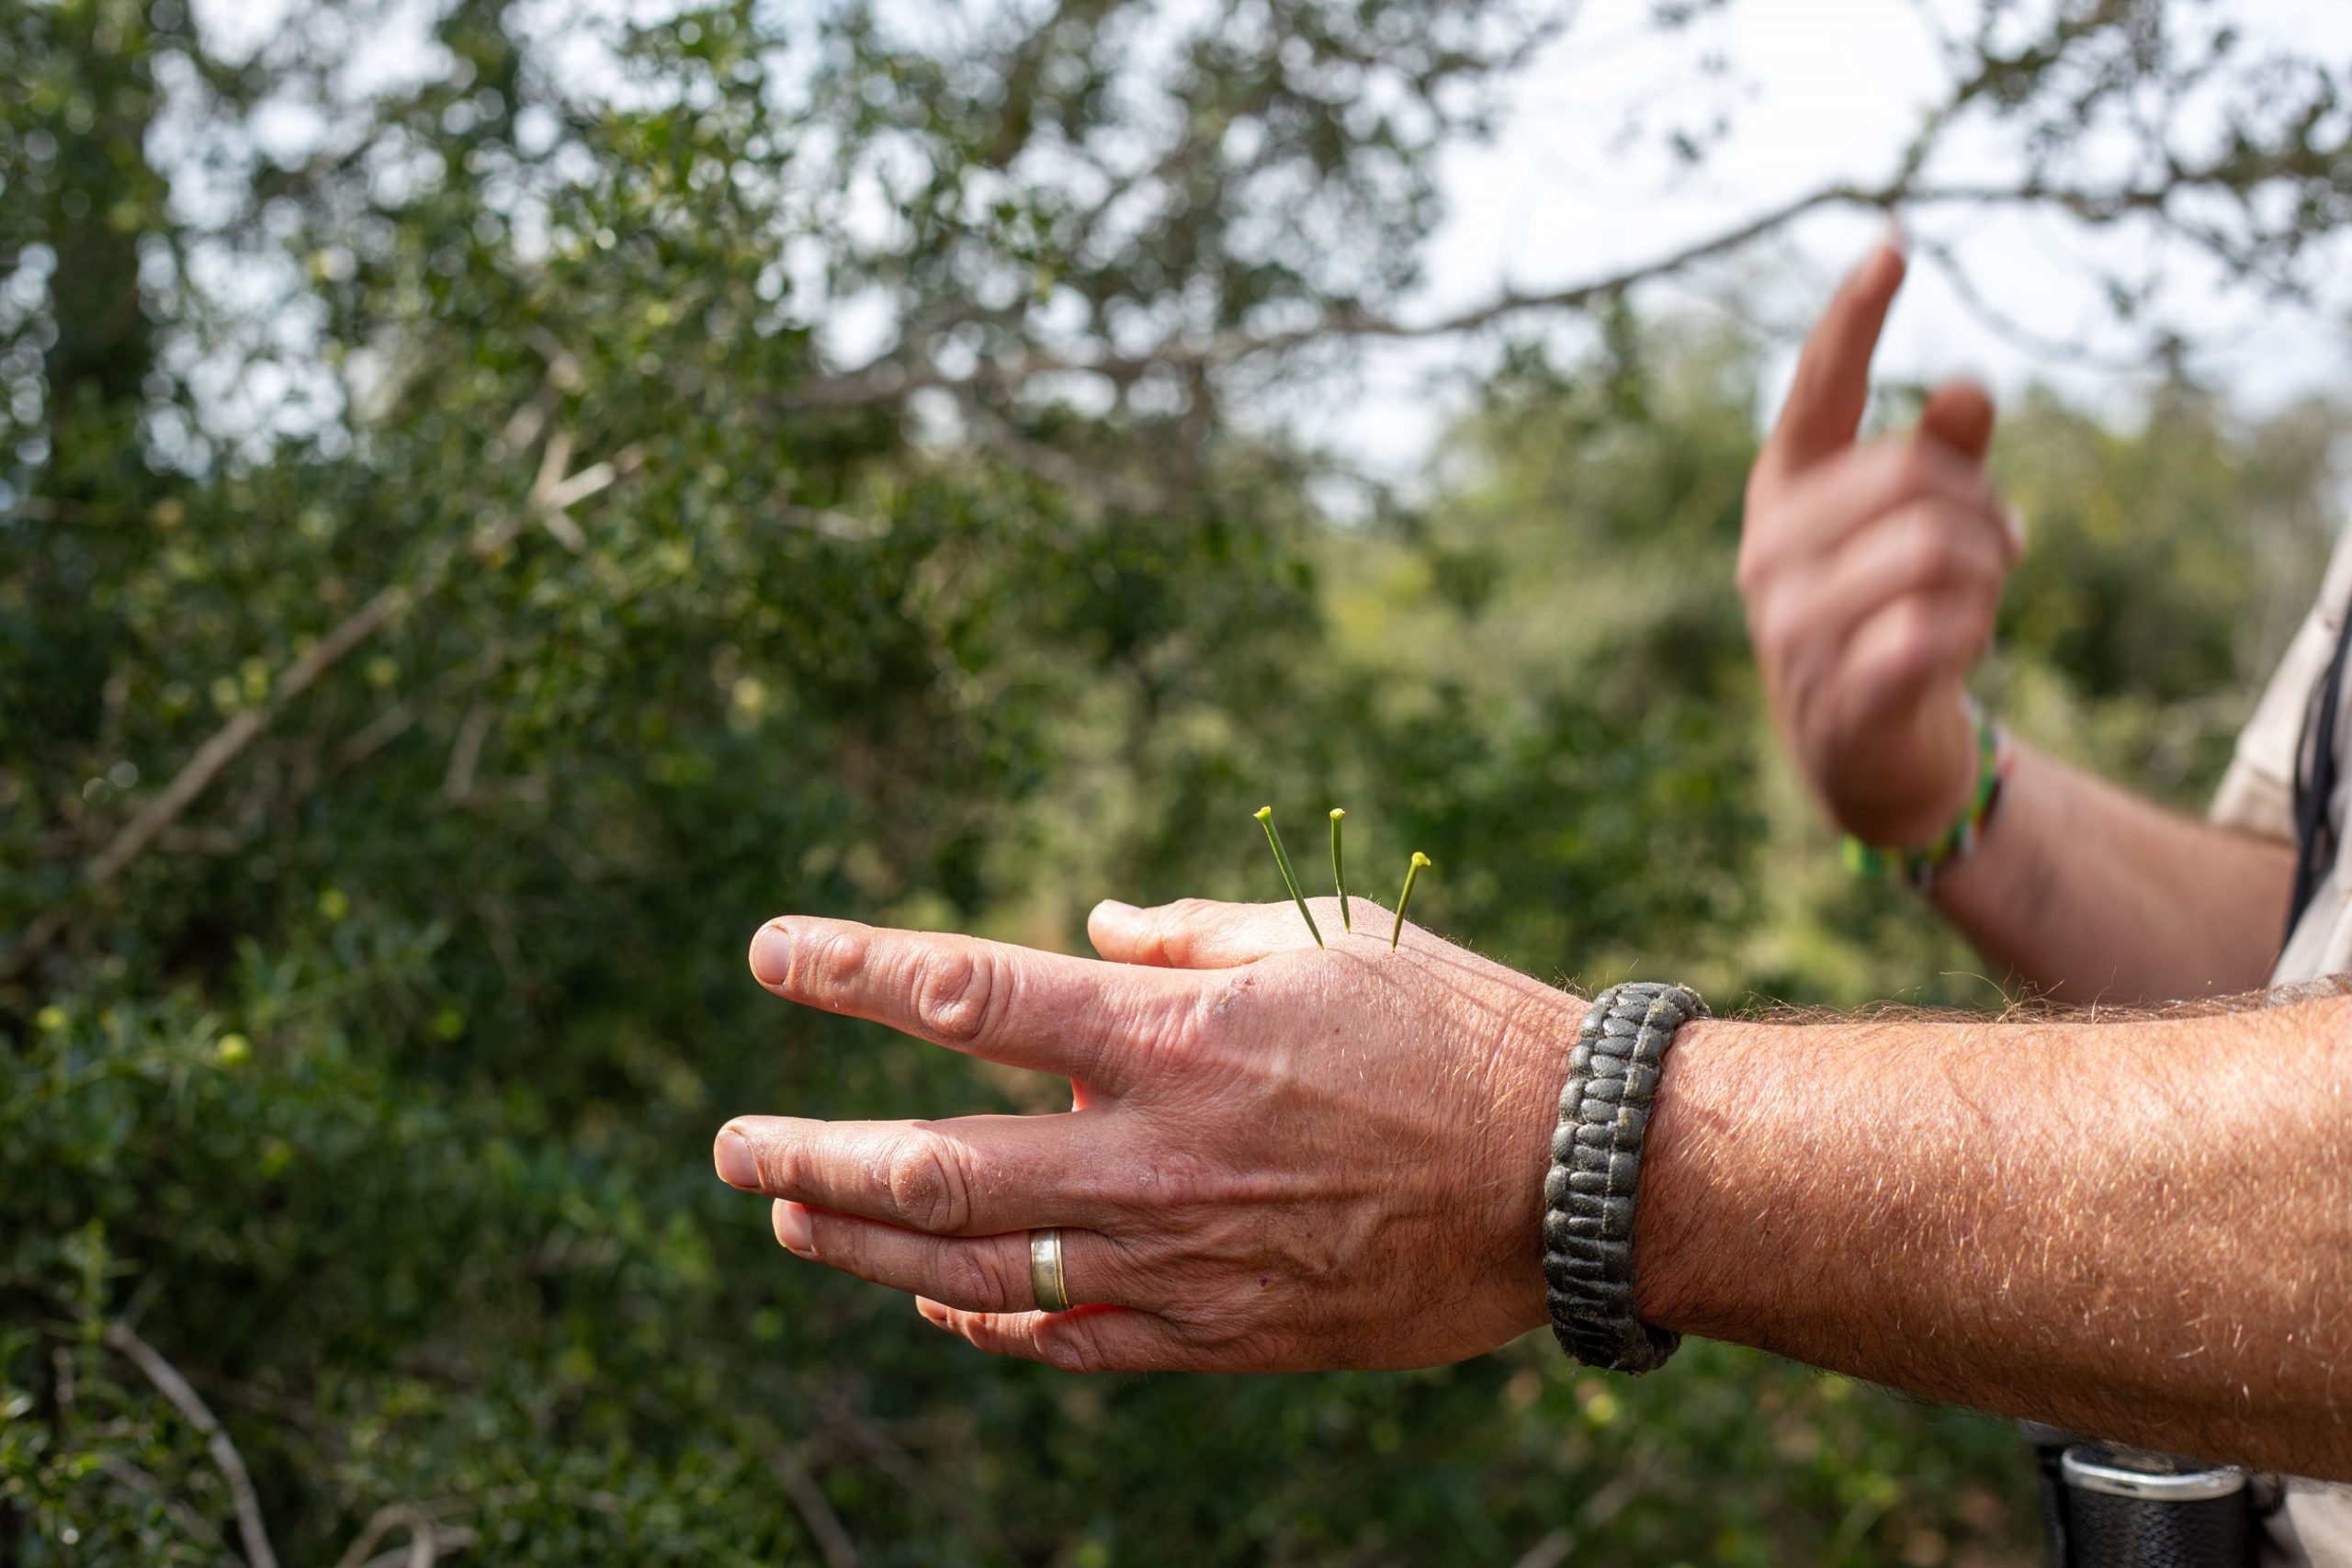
x: 2089, y: 893
x: 2140, y: 1230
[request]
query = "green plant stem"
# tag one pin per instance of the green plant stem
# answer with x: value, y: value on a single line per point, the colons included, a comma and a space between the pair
x: 1266, y: 819
x: 1339, y: 877
x: 1411, y: 871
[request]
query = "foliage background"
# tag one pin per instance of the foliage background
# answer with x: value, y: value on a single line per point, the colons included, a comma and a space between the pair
x: 469, y: 462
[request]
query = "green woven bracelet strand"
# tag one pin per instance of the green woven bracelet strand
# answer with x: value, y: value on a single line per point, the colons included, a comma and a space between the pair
x: 1916, y: 868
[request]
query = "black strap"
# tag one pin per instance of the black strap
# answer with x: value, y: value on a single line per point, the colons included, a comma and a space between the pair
x: 1595, y: 1179
x: 2315, y: 836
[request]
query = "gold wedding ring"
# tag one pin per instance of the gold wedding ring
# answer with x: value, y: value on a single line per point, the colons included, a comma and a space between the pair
x: 1046, y: 1278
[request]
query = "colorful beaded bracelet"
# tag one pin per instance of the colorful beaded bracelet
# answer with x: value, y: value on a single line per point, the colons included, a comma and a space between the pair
x: 1916, y: 868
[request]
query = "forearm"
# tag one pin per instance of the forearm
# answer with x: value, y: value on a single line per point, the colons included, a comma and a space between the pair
x: 2089, y: 894
x: 2139, y: 1229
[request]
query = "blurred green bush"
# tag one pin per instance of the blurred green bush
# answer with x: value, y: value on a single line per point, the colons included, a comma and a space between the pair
x: 572, y: 634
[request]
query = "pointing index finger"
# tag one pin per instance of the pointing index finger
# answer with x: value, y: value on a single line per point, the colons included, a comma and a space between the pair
x: 1047, y: 1011
x: 1833, y: 380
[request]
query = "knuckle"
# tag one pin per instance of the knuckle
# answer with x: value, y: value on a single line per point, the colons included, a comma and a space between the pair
x: 1753, y: 570
x: 968, y: 1276
x: 1182, y: 1193
x: 1988, y: 540
x: 1222, y: 1330
x: 1915, y: 467
x: 839, y: 960
x: 955, y: 994
x: 781, y: 1167
x: 1069, y: 1347
x: 929, y: 1187
x: 1162, y: 1182
x: 776, y: 1161
x: 1173, y: 926
x: 1929, y: 554
x: 1774, y: 625
x: 1984, y: 612
x: 1914, y: 630
x: 1177, y: 1179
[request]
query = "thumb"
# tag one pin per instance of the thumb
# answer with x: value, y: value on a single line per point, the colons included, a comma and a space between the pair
x: 1833, y: 380
x: 1960, y: 415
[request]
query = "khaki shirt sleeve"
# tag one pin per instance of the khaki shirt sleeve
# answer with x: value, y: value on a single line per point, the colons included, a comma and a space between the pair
x: 2257, y: 795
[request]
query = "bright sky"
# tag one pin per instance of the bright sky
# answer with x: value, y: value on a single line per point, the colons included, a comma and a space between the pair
x: 1834, y: 90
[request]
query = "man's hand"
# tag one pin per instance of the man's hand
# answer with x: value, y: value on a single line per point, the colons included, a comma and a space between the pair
x: 1872, y: 573
x: 1284, y: 1157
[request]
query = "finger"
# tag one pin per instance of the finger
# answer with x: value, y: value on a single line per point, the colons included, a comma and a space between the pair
x: 1806, y: 631
x: 986, y: 1273
x: 1833, y: 380
x: 1960, y: 414
x: 1906, y: 648
x: 1085, y: 1339
x: 1927, y: 546
x: 971, y: 1175
x: 1823, y: 508
x: 1195, y: 934
x: 1015, y: 1005
x: 1202, y: 933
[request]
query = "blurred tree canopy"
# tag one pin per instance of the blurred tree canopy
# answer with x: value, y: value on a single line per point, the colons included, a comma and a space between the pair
x: 449, y: 593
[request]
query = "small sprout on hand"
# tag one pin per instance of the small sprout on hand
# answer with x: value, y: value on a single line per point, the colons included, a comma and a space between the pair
x: 1339, y: 877
x: 1266, y: 817
x: 1412, y: 871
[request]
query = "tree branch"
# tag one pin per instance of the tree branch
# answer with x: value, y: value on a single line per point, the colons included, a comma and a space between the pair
x: 832, y: 1538
x: 423, y: 1551
x: 549, y: 490
x: 130, y: 1477
x: 427, y: 1541
x: 465, y: 756
x: 892, y: 377
x: 396, y: 720
x: 232, y: 737
x: 184, y: 1398
x: 2006, y: 327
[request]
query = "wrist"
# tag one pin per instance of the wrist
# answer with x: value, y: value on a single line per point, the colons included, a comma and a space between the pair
x: 1908, y: 786
x: 1542, y: 1031
x: 1593, y: 1186
x: 1950, y: 731
x: 1918, y: 863
x: 1690, y: 1280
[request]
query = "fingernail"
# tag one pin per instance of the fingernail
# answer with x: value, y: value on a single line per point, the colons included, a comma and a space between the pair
x: 1898, y: 238
x: 2014, y: 521
x: 932, y: 1312
x: 1112, y: 907
x: 771, y: 955
x: 736, y: 1166
x: 794, y: 1229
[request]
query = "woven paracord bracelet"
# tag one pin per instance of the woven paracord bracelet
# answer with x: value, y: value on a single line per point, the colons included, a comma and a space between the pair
x: 1596, y: 1162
